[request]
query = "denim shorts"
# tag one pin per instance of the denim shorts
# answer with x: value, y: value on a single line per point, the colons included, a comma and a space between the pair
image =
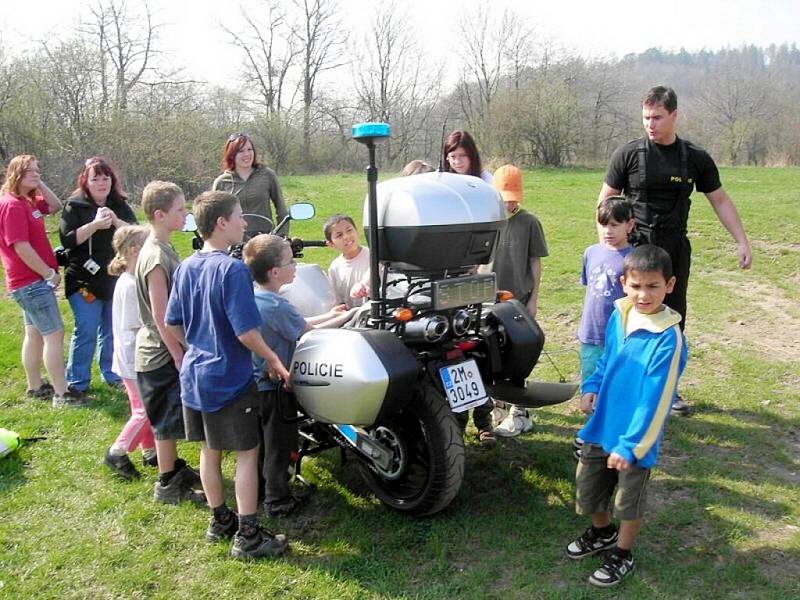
x: 39, y: 307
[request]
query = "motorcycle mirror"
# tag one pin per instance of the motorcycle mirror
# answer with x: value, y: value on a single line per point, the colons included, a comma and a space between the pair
x: 189, y: 224
x: 302, y: 211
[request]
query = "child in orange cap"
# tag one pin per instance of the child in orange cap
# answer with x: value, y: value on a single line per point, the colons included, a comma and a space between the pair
x: 517, y: 264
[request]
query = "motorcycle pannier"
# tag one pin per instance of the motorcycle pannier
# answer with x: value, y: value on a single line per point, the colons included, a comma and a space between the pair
x: 352, y: 376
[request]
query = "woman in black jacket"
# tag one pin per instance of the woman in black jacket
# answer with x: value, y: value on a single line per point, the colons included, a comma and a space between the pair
x: 96, y: 209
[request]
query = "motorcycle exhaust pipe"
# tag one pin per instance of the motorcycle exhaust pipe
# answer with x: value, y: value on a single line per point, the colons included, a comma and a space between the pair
x: 462, y: 322
x: 428, y: 330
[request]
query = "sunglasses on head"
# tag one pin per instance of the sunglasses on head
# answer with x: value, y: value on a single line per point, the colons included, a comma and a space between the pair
x: 234, y: 136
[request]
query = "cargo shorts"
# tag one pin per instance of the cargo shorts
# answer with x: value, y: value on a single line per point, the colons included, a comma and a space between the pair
x: 595, y: 484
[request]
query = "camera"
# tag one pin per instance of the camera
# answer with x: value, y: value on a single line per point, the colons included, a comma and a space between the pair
x: 91, y: 266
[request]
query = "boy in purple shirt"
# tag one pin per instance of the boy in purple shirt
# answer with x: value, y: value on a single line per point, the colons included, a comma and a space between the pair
x: 602, y: 267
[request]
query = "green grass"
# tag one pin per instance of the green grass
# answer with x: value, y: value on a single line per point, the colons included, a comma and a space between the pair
x: 724, y: 502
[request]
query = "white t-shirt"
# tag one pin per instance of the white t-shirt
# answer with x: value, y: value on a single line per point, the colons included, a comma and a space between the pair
x: 125, y: 322
x: 344, y: 273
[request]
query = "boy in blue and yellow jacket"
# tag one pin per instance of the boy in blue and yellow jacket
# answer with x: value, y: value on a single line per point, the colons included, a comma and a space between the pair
x: 629, y: 397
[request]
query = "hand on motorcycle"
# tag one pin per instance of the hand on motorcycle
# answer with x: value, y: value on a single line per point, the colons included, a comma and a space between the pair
x: 587, y: 403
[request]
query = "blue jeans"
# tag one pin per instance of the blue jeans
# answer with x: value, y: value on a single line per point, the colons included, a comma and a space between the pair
x: 92, y: 324
x: 39, y: 307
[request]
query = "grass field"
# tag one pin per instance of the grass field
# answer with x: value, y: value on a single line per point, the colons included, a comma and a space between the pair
x: 724, y: 501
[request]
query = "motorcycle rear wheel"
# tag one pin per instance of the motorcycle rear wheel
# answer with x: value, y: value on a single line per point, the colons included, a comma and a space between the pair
x: 429, y: 456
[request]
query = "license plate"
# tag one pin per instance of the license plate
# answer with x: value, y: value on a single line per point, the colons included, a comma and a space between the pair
x: 463, y: 385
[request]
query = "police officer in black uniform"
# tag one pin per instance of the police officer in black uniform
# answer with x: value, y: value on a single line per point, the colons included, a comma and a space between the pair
x: 658, y: 172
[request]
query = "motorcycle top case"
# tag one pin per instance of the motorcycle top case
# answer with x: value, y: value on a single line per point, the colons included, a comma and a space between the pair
x: 352, y: 376
x: 437, y: 221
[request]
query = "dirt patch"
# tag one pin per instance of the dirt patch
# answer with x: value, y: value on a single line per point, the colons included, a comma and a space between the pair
x: 770, y: 322
x: 775, y: 247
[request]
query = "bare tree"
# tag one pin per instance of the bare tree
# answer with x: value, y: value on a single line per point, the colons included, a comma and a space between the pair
x: 270, y: 48
x: 494, y: 47
x: 392, y: 82
x: 736, y: 98
x: 125, y: 43
x: 321, y: 36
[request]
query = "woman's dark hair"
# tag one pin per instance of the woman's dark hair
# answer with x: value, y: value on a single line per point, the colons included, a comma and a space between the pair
x: 618, y: 208
x: 462, y: 139
x: 101, y: 166
x: 232, y: 147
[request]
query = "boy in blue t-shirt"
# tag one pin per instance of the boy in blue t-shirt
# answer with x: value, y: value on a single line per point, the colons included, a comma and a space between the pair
x: 212, y: 311
x: 629, y: 397
x: 602, y: 268
x: 272, y: 265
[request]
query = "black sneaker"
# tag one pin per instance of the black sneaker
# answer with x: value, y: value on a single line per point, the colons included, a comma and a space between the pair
x: 121, y: 465
x: 590, y: 543
x: 613, y: 570
x: 681, y: 408
x: 151, y: 461
x: 217, y: 530
x: 43, y: 392
x: 177, y: 490
x: 262, y: 544
x: 191, y: 476
x: 286, y: 506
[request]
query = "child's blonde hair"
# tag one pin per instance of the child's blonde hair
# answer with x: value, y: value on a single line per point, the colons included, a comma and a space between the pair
x: 125, y: 239
x: 159, y: 195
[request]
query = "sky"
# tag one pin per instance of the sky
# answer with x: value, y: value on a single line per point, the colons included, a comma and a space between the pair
x: 191, y: 33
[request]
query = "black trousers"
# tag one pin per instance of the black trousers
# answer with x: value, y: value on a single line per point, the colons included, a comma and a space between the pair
x: 680, y: 251
x: 481, y: 415
x: 279, y: 440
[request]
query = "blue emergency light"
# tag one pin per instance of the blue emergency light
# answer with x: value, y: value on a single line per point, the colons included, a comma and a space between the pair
x: 366, y: 132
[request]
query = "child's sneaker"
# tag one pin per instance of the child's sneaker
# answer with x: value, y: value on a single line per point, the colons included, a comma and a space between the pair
x: 590, y: 543
x: 179, y: 488
x: 149, y: 460
x: 515, y: 423
x: 69, y: 399
x: 121, y: 465
x: 43, y: 392
x: 614, y: 569
x: 577, y: 447
x: 499, y: 412
x: 261, y: 544
x: 217, y: 530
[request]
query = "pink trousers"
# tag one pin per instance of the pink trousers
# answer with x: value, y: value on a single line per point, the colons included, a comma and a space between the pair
x: 137, y: 431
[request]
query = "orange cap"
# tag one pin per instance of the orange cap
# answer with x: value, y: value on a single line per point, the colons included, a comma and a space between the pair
x: 508, y: 181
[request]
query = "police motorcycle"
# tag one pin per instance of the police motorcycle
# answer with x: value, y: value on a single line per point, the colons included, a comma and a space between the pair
x: 433, y: 339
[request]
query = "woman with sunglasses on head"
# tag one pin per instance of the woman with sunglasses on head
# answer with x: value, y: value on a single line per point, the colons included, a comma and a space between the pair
x: 96, y: 209
x: 253, y: 183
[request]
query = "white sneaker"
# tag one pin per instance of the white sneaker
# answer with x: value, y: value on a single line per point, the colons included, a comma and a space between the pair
x: 515, y: 423
x: 499, y: 412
